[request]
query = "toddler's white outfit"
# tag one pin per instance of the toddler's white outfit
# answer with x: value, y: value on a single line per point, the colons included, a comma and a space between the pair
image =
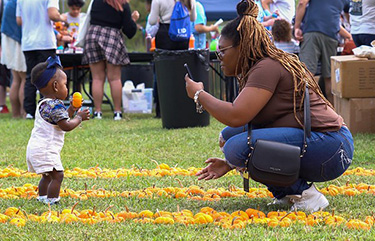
x: 44, y: 147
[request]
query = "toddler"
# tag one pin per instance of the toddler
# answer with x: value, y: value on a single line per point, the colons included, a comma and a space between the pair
x: 282, y: 34
x: 52, y: 120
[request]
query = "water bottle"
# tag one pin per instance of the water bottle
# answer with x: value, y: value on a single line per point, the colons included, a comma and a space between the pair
x: 191, y: 42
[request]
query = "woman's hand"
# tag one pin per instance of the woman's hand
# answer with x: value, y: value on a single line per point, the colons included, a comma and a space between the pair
x: 217, y: 168
x: 135, y: 16
x: 192, y: 87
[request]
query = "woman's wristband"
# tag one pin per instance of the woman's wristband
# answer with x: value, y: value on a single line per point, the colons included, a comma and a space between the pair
x: 198, y: 106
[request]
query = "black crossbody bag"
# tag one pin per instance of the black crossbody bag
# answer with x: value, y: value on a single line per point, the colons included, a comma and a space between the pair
x: 275, y: 163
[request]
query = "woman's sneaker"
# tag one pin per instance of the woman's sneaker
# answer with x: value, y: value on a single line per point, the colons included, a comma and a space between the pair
x: 285, y: 201
x: 310, y: 200
x: 117, y: 116
x: 98, y: 115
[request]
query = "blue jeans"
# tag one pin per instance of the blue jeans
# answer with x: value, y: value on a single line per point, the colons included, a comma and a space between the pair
x: 327, y: 156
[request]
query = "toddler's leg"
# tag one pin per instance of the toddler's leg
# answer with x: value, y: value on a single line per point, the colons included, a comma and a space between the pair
x: 43, y: 184
x: 55, y: 184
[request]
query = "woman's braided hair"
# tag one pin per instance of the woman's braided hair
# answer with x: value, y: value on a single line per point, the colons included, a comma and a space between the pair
x: 254, y: 43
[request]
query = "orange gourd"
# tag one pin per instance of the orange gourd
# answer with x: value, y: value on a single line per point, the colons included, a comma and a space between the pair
x: 77, y: 100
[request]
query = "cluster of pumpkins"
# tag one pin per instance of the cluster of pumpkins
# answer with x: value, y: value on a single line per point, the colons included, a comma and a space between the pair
x: 207, y: 215
x: 160, y: 171
x: 192, y: 192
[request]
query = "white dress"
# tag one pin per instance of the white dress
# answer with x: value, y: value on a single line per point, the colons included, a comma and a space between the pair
x: 44, y: 147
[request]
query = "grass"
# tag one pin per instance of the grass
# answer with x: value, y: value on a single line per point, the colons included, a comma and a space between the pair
x: 138, y: 140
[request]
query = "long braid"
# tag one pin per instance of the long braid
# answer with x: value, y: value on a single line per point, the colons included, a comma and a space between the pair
x: 254, y: 34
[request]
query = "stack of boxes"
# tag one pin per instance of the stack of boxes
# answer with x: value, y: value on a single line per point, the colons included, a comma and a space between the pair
x: 353, y: 87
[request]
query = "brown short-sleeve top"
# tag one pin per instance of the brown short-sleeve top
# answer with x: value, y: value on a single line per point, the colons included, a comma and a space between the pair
x: 270, y: 75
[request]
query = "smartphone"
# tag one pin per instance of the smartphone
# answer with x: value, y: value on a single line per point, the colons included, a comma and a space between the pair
x: 188, y: 70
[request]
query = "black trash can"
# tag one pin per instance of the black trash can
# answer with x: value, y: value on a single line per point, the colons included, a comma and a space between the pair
x: 177, y: 109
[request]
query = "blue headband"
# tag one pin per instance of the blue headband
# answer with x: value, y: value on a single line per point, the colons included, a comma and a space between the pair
x: 46, y: 76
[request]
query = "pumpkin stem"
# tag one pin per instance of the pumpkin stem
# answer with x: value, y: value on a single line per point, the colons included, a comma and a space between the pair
x: 85, y: 186
x: 157, y: 164
x: 179, y: 182
x: 285, y: 216
x: 110, y: 206
x: 24, y: 212
x: 127, y: 209
x: 73, y: 207
x: 234, y: 219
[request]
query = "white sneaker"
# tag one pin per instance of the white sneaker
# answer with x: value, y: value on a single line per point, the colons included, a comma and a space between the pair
x: 52, y: 201
x: 29, y: 116
x: 285, y: 201
x: 117, y: 116
x: 98, y: 115
x: 311, y: 200
x: 41, y: 199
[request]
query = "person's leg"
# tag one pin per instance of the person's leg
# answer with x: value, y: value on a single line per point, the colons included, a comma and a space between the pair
x: 32, y: 59
x: 55, y: 184
x: 329, y: 48
x: 309, y: 53
x: 14, y: 95
x: 43, y: 184
x: 114, y: 79
x: 2, y: 95
x: 236, y: 152
x: 98, y: 78
x: 29, y: 104
x: 21, y: 92
x: 229, y: 132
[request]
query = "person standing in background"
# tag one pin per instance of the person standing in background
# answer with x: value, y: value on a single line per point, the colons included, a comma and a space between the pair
x: 105, y: 50
x: 74, y: 16
x: 38, y: 40
x: 4, y: 74
x: 362, y: 21
x: 150, y: 29
x: 13, y: 58
x: 319, y: 35
x: 200, y: 28
x: 285, y: 8
x: 161, y: 11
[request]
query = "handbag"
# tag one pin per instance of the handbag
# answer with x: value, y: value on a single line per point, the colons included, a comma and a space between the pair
x: 275, y: 163
x: 83, y: 28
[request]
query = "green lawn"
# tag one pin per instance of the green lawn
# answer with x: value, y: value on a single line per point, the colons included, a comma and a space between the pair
x: 136, y: 141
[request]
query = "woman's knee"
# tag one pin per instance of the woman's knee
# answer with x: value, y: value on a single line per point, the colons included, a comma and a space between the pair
x: 233, y: 154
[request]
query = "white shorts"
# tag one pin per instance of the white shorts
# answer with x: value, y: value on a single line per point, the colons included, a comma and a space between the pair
x: 11, y: 54
x: 41, y: 161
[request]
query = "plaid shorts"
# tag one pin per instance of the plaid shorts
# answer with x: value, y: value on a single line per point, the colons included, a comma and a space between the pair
x: 104, y: 43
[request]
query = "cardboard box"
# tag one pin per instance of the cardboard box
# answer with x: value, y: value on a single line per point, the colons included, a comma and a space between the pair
x: 352, y: 77
x: 358, y: 113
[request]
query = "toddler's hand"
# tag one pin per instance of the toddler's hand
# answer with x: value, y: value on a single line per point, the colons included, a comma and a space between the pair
x: 84, y: 114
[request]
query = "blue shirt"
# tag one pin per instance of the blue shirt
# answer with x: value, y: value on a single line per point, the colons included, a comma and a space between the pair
x: 200, y: 38
x: 9, y: 25
x: 324, y: 16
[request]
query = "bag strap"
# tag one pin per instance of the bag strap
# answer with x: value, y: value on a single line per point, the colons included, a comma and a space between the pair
x: 306, y: 134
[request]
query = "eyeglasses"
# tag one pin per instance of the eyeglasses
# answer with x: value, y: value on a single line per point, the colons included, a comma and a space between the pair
x: 220, y: 52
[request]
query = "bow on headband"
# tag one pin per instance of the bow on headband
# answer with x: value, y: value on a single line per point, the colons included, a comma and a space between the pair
x: 46, y: 76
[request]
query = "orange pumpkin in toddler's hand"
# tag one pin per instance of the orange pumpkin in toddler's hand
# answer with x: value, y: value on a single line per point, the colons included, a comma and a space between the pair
x: 77, y: 100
